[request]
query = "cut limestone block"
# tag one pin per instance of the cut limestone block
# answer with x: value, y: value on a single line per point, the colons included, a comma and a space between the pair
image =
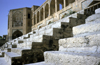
x: 73, y: 42
x: 97, y: 11
x: 82, y: 41
x: 18, y: 50
x: 3, y: 61
x: 70, y: 58
x: 92, y: 18
x: 39, y: 63
x: 81, y: 49
x: 2, y: 53
x: 86, y: 28
x: 9, y: 56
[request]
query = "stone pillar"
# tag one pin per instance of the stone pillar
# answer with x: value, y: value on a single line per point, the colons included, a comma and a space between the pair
x: 36, y: 18
x: 33, y: 21
x: 39, y: 16
x: 49, y: 8
x: 56, y: 8
x: 64, y: 3
x: 43, y: 12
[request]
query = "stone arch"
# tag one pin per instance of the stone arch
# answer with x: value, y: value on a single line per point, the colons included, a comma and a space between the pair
x: 16, y: 34
x: 41, y: 13
x: 38, y: 17
x: 52, y: 7
x: 60, y: 4
x: 46, y: 10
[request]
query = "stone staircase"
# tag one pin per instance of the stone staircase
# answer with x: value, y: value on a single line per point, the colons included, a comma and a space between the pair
x: 29, y: 48
x: 81, y: 49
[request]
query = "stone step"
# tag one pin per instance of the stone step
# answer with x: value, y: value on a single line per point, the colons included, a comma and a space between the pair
x: 93, y: 18
x: 19, y: 51
x: 3, y: 61
x: 10, y: 57
x: 94, y: 49
x: 57, y: 24
x: 39, y: 63
x: 26, y: 36
x: 97, y: 11
x: 70, y: 58
x: 38, y: 38
x: 75, y: 15
x: 86, y: 28
x: 2, y: 53
x: 85, y: 40
x: 22, y: 45
x: 48, y: 30
x: 12, y: 46
x: 25, y: 45
x: 18, y: 41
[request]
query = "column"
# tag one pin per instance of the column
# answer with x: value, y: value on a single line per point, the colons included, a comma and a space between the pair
x: 64, y: 3
x: 33, y: 20
x: 43, y: 12
x: 56, y: 8
x: 39, y: 16
x: 36, y: 18
x: 49, y: 8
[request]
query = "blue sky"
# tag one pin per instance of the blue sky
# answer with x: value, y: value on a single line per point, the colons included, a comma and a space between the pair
x: 6, y: 5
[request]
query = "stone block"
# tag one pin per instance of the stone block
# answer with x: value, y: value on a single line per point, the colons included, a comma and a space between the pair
x: 10, y: 57
x: 92, y: 18
x: 39, y: 63
x: 97, y: 11
x: 86, y: 28
x: 80, y: 49
x: 9, y: 50
x: 14, y: 46
x: 70, y: 58
x: 93, y: 40
x: 73, y: 42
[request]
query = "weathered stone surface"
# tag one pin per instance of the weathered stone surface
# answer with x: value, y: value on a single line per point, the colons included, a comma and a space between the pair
x: 97, y: 11
x: 44, y: 39
x: 92, y: 18
x: 39, y: 63
x: 80, y: 49
x: 70, y: 58
x: 3, y: 61
x: 9, y: 57
x: 73, y: 42
x: 86, y: 28
x: 82, y: 41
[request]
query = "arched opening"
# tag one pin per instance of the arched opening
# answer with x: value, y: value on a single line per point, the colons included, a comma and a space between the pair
x: 52, y: 7
x: 41, y: 13
x: 61, y: 4
x: 66, y: 2
x: 46, y: 11
x: 16, y: 34
x: 38, y: 17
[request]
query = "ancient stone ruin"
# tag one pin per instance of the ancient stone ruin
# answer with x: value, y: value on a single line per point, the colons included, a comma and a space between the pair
x: 70, y: 36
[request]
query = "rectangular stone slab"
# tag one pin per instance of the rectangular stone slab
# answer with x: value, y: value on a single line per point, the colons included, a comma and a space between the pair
x: 70, y: 58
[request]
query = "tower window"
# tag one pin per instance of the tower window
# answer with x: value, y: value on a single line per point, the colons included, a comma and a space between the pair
x: 28, y: 16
